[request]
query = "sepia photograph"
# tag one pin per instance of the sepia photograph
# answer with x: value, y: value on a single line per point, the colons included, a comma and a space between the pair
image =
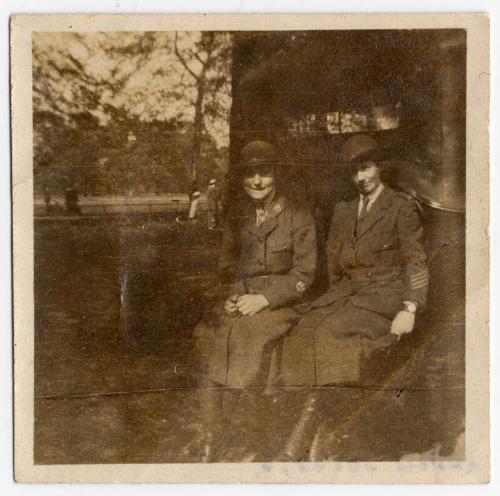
x: 249, y: 246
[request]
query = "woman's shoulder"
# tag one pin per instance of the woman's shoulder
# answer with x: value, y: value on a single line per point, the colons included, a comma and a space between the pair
x: 301, y: 212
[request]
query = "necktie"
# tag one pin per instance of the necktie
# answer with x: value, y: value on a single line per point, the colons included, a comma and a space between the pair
x: 362, y: 214
x: 260, y: 216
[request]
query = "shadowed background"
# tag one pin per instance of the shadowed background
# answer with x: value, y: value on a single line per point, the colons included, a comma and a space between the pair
x: 124, y: 118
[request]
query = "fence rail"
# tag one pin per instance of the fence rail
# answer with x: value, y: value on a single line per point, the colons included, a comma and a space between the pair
x: 117, y: 205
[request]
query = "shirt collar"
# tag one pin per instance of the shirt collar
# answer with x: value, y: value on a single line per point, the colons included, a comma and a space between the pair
x: 374, y: 194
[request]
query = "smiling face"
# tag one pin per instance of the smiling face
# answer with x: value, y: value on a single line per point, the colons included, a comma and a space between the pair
x: 367, y: 177
x: 258, y: 182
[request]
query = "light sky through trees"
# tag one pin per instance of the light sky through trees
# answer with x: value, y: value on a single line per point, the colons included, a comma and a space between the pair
x: 136, y: 72
x: 132, y: 83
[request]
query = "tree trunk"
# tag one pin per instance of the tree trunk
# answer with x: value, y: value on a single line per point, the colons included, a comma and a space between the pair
x: 198, y: 126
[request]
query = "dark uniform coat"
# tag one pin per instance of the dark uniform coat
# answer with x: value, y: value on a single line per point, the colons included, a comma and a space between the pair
x: 373, y: 269
x: 213, y: 206
x: 276, y: 259
x: 213, y: 199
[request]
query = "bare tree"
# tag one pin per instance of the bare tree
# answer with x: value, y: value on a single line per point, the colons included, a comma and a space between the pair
x: 207, y: 65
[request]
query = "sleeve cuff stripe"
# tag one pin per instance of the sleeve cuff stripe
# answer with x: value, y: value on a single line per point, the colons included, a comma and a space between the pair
x: 424, y: 276
x: 420, y: 273
x: 419, y: 285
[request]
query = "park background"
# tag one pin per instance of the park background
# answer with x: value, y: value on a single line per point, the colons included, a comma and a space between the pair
x: 131, y: 119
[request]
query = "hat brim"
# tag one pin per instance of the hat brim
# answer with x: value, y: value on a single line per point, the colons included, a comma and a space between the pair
x: 376, y: 155
x: 256, y: 164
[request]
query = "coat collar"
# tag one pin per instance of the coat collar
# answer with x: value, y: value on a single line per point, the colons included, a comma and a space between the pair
x: 275, y: 209
x: 376, y: 212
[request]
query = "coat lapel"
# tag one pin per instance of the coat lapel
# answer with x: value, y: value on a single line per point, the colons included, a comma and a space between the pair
x: 271, y: 221
x: 352, y: 218
x: 267, y: 226
x: 376, y: 212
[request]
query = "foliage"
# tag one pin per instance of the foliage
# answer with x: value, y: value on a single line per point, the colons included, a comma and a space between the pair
x: 130, y: 112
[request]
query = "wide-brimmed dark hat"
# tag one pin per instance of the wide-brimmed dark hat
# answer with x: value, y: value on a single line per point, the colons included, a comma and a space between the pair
x: 258, y: 154
x: 363, y: 148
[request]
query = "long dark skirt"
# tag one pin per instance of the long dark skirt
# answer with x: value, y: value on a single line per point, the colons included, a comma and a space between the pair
x: 238, y: 351
x: 328, y: 344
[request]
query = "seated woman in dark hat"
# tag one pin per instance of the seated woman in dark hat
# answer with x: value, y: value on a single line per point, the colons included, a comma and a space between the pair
x: 269, y: 253
x: 378, y: 282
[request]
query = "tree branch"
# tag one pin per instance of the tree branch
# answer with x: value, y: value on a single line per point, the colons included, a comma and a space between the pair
x: 197, y: 56
x: 182, y: 60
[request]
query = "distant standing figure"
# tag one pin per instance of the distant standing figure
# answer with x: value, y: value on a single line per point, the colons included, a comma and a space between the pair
x: 194, y: 199
x: 47, y: 197
x: 213, y: 204
x: 71, y: 201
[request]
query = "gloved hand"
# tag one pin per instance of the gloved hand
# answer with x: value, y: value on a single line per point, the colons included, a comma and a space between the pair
x: 403, y: 323
x: 230, y: 304
x: 250, y: 304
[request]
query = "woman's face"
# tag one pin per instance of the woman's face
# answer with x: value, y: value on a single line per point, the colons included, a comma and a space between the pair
x: 258, y: 182
x: 367, y: 178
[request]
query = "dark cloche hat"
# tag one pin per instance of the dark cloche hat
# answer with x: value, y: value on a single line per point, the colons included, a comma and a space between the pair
x: 257, y: 153
x: 361, y: 148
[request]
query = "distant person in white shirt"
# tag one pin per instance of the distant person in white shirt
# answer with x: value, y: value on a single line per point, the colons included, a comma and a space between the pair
x: 195, y: 200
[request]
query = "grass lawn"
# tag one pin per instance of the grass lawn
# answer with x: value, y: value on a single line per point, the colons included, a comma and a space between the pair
x: 116, y: 300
